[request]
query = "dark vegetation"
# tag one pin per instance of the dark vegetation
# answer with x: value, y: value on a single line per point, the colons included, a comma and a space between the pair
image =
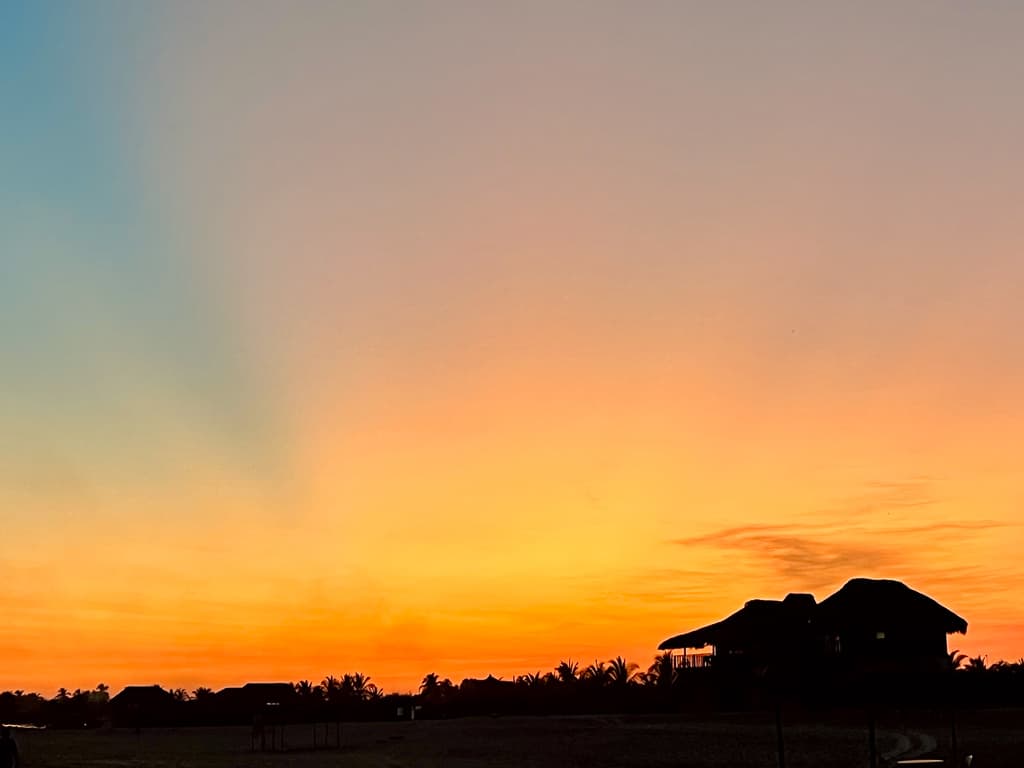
x: 615, y: 686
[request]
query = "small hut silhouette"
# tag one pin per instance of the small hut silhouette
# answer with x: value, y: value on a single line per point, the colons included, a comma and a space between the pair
x: 140, y: 706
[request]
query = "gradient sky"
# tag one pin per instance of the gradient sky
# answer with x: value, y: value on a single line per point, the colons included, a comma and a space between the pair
x: 468, y: 337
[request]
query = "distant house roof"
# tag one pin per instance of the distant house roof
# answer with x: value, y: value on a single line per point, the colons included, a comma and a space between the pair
x: 282, y: 690
x: 489, y: 683
x: 142, y: 695
x: 888, y: 602
x: 757, y: 618
x: 258, y: 694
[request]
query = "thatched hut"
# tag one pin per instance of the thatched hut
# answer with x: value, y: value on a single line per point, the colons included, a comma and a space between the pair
x: 878, y: 619
x: 142, y: 705
x: 265, y: 701
x: 761, y: 633
x: 868, y: 621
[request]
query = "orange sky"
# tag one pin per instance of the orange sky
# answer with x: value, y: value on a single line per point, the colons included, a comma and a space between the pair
x: 467, y: 340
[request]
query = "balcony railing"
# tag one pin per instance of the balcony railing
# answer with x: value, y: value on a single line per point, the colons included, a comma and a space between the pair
x: 692, y: 660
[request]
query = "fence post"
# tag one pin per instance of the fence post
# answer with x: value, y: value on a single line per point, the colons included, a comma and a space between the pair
x: 872, y: 746
x: 780, y: 744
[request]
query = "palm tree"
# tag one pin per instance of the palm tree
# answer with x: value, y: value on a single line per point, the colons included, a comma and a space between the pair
x: 306, y: 690
x: 956, y: 659
x: 331, y: 686
x: 621, y: 672
x: 179, y: 694
x: 359, y: 685
x: 101, y: 695
x: 348, y: 685
x: 661, y: 672
x: 567, y: 671
x: 62, y: 694
x: 201, y: 693
x: 535, y: 680
x: 977, y: 664
x: 446, y: 688
x: 430, y: 683
x: 596, y: 674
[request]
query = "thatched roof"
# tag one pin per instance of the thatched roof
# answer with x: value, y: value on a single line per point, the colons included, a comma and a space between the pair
x: 758, y: 618
x: 142, y: 695
x: 489, y: 683
x: 861, y: 602
x: 258, y: 694
x: 885, y: 602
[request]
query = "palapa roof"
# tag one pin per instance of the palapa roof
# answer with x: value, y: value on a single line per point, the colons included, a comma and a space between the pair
x: 142, y: 694
x: 861, y: 602
x: 885, y: 602
x: 488, y: 683
x: 259, y: 693
x: 757, y: 618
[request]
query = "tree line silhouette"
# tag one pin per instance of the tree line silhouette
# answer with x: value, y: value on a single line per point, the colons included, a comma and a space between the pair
x: 615, y: 685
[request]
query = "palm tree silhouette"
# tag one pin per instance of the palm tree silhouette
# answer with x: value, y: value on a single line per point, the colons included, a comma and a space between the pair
x: 567, y: 671
x: 534, y: 680
x: 596, y: 674
x: 332, y: 688
x: 359, y: 685
x: 429, y: 684
x: 348, y: 684
x: 621, y: 672
x: 306, y: 690
x: 662, y: 672
x: 977, y: 664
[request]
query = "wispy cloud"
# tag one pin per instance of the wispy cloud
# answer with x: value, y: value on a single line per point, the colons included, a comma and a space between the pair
x: 802, y: 557
x: 874, y: 532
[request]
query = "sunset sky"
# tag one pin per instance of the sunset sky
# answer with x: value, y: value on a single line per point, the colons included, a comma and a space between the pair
x: 469, y: 337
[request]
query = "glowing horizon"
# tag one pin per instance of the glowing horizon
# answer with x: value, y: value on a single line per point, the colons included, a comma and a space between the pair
x: 400, y: 339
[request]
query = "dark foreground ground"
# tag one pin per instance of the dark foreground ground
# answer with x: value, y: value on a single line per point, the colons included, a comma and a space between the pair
x: 734, y: 741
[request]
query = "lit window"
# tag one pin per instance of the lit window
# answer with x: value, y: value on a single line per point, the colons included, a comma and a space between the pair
x: 879, y: 635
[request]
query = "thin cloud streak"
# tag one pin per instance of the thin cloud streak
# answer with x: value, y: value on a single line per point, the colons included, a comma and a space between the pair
x: 868, y: 533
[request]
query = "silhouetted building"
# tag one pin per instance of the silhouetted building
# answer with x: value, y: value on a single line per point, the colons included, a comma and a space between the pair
x: 270, y: 701
x: 868, y: 626
x: 142, y: 705
x: 488, y: 695
x: 886, y: 626
x: 761, y: 633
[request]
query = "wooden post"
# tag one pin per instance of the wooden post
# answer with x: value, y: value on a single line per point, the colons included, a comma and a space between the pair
x: 952, y: 733
x: 872, y: 746
x: 780, y: 744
